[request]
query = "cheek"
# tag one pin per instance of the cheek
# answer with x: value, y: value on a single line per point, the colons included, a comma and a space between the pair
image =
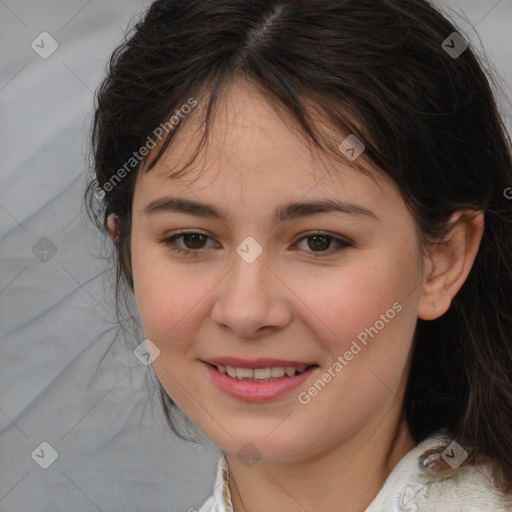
x: 169, y: 297
x: 170, y: 300
x: 350, y: 300
x: 368, y: 353
x: 366, y: 314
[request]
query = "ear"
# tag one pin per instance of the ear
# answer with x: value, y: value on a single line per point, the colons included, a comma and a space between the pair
x: 113, y: 227
x: 449, y: 262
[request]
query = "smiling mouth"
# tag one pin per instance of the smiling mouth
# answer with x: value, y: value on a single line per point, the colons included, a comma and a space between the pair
x: 269, y: 374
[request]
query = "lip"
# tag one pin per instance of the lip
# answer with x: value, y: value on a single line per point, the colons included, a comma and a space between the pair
x: 256, y: 363
x: 251, y: 391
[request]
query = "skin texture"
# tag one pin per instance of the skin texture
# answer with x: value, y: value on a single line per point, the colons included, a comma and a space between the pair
x: 341, y: 446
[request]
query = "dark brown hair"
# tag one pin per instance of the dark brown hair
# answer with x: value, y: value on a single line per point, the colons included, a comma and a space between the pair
x: 429, y: 120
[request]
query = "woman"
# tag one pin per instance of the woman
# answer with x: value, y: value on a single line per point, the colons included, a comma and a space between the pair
x: 308, y: 201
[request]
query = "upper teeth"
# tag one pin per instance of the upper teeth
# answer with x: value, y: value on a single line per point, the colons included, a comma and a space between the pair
x: 261, y: 373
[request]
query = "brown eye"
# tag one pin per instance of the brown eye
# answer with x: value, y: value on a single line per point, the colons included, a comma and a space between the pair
x: 320, y: 244
x: 192, y: 242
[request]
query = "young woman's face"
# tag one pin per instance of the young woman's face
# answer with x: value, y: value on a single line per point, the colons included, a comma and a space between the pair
x: 260, y: 291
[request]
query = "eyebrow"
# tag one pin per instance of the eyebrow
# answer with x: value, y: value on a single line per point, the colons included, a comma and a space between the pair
x: 283, y: 213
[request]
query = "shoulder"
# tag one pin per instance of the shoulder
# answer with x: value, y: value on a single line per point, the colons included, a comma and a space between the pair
x: 467, y: 489
x: 460, y: 489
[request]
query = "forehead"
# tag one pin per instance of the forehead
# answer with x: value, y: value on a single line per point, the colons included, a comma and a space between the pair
x: 253, y: 149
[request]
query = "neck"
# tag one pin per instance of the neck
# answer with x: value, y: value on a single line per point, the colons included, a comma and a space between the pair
x: 351, y: 473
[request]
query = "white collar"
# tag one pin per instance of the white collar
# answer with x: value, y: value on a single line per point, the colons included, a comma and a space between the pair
x: 403, y: 490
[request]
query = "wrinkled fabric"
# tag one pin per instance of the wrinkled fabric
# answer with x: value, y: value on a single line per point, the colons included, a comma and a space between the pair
x: 409, y: 488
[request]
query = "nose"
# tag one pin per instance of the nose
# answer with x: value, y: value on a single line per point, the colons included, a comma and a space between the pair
x: 252, y: 300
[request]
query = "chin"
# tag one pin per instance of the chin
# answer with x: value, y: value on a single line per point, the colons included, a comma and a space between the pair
x: 260, y: 446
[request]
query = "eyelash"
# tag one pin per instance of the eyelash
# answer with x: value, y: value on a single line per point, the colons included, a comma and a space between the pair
x: 340, y: 242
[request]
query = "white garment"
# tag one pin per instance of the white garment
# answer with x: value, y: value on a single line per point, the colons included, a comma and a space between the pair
x: 409, y: 488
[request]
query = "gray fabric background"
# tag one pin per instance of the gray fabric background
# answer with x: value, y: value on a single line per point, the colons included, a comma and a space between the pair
x: 114, y: 451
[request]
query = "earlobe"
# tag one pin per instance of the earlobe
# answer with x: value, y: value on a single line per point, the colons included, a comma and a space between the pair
x: 450, y: 262
x: 113, y: 227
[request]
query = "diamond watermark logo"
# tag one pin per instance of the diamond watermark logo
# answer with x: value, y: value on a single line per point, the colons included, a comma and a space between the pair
x: 455, y: 45
x: 409, y: 497
x: 44, y: 45
x: 351, y: 148
x: 146, y: 352
x: 250, y: 454
x: 249, y: 250
x: 44, y: 250
x: 45, y: 455
x: 454, y: 454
